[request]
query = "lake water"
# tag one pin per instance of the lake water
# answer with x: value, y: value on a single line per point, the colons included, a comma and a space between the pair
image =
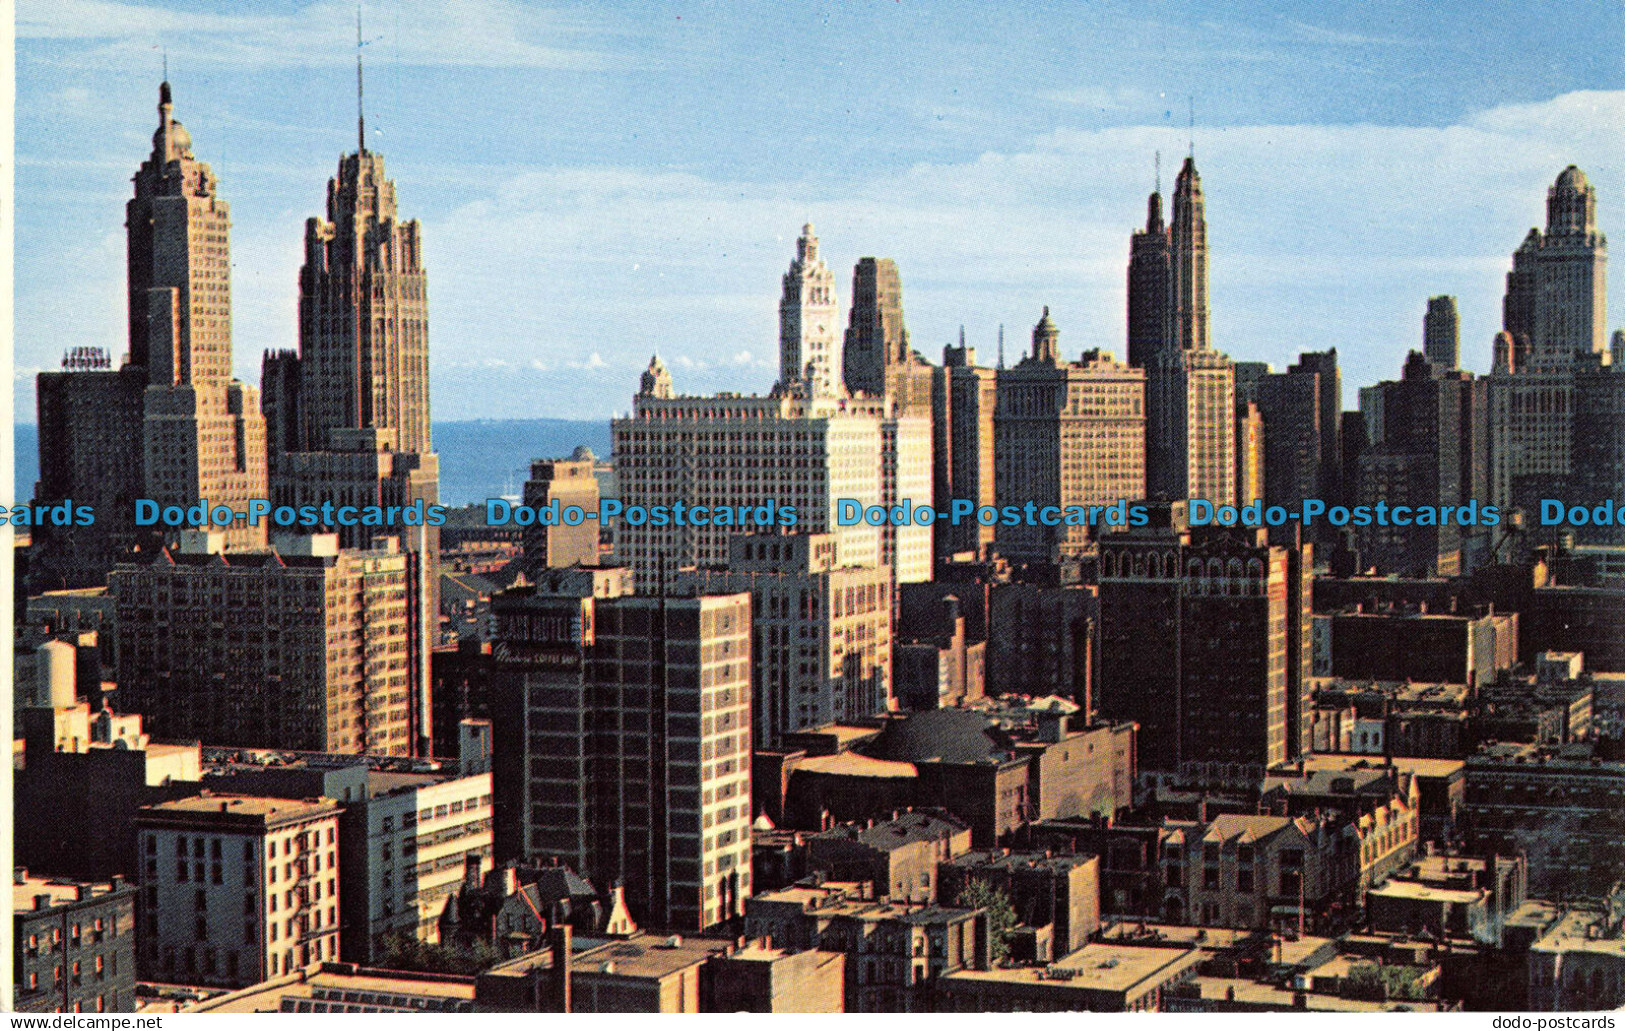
x: 478, y: 460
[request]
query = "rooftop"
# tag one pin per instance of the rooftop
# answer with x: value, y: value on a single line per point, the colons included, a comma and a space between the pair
x: 1004, y: 859
x: 1581, y: 930
x: 903, y: 829
x: 1254, y: 993
x: 851, y: 764
x: 270, y: 810
x: 648, y: 956
x: 345, y: 985
x: 61, y: 891
x: 1417, y: 892
x: 1430, y: 768
x: 1098, y: 966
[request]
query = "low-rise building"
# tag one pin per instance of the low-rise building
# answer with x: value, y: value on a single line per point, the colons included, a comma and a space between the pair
x: 1579, y: 963
x: 899, y: 856
x: 1100, y: 977
x: 895, y: 951
x: 1055, y: 895
x: 1559, y: 806
x: 237, y: 889
x: 84, y: 775
x: 407, y: 831
x: 761, y: 978
x: 73, y: 945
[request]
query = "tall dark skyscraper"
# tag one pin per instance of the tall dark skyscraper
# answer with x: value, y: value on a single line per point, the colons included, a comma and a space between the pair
x: 876, y: 359
x: 1149, y: 329
x: 875, y: 336
x: 963, y: 400
x: 1416, y: 462
x: 1441, y: 333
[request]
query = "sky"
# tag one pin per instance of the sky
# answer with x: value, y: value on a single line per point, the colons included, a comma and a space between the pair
x: 602, y: 181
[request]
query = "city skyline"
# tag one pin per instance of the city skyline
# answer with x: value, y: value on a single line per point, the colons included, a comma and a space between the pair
x: 547, y: 254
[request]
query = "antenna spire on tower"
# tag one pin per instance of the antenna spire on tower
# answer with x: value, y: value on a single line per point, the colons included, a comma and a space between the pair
x: 1001, y: 345
x: 360, y: 113
x: 1192, y: 99
x: 166, y: 64
x: 1159, y: 171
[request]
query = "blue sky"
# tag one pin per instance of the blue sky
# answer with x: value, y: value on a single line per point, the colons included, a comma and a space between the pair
x: 601, y: 181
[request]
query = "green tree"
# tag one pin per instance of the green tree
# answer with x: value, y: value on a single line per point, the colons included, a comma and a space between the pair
x: 1001, y: 915
x: 406, y: 952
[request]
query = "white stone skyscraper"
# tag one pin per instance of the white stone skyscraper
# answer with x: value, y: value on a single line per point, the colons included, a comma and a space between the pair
x: 1555, y: 314
x: 808, y: 314
x: 1571, y: 300
x: 202, y: 433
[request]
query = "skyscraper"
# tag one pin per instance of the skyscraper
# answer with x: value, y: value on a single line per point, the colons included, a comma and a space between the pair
x: 360, y: 384
x: 1416, y: 462
x: 1188, y: 261
x: 1197, y: 633
x: 353, y: 406
x: 630, y: 717
x: 202, y: 433
x: 1555, y: 313
x: 1065, y: 433
x: 90, y: 452
x: 1441, y: 333
x: 963, y: 401
x: 734, y: 453
x: 1190, y: 389
x: 877, y: 359
x: 1149, y: 268
x: 807, y: 315
x: 1571, y: 299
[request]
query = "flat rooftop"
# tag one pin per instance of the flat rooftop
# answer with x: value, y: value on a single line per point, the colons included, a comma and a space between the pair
x: 1415, y: 892
x: 382, y: 990
x: 245, y: 806
x: 851, y: 764
x: 1256, y: 994
x: 646, y: 956
x: 1573, y: 933
x: 1420, y: 767
x: 60, y: 890
x: 1098, y: 966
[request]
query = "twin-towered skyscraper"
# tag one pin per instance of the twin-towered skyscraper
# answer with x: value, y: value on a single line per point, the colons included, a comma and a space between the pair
x: 1190, y: 388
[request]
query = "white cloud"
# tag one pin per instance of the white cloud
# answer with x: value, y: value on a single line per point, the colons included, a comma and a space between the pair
x: 1320, y: 236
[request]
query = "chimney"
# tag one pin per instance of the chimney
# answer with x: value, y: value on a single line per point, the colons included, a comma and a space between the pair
x: 559, y: 972
x: 42, y: 902
x: 19, y: 875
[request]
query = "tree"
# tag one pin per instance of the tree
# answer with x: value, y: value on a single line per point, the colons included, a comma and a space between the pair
x: 1001, y: 915
x: 407, y: 952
